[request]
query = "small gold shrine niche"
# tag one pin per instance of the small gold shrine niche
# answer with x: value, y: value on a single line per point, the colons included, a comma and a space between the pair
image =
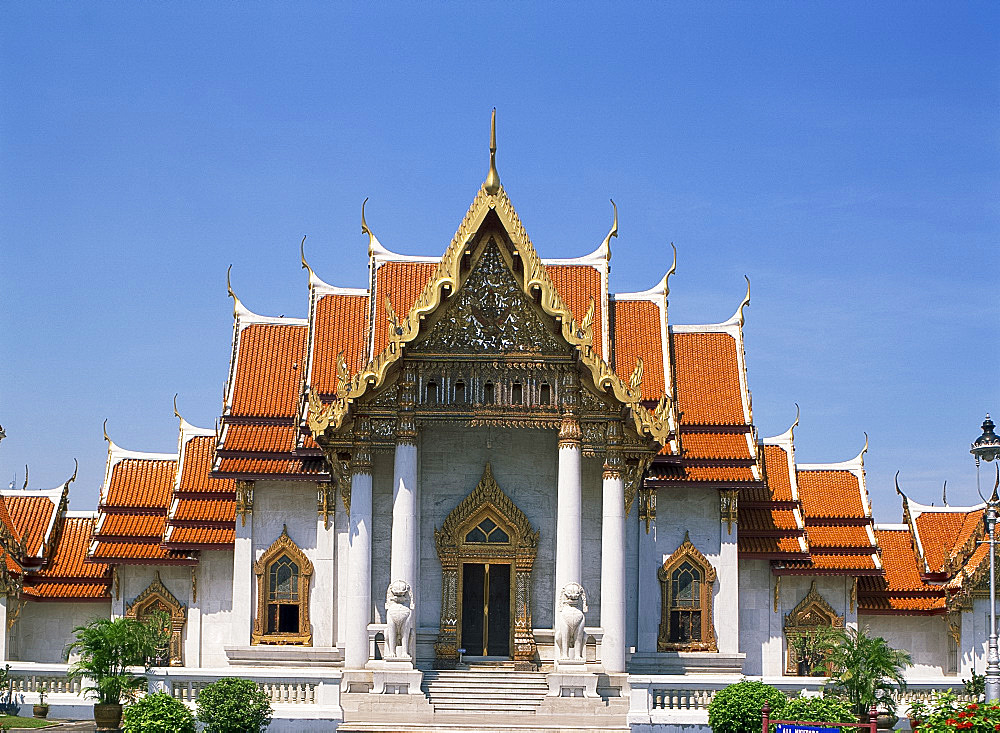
x: 802, y: 624
x: 156, y: 599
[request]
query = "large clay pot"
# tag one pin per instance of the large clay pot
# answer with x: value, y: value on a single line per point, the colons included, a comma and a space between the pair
x: 40, y: 711
x: 108, y: 716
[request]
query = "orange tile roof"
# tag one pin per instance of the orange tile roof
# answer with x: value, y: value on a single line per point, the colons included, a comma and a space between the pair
x: 776, y: 461
x: 204, y: 510
x: 826, y: 536
x: 259, y: 438
x: 842, y: 561
x: 68, y: 591
x: 716, y: 445
x: 939, y: 532
x: 261, y: 466
x: 341, y: 324
x: 402, y: 282
x: 576, y: 285
x: 200, y: 536
x: 719, y: 473
x: 708, y: 379
x: 130, y: 551
x: 269, y: 370
x: 776, y: 546
x: 638, y: 334
x: 760, y: 519
x: 69, y: 558
x: 833, y: 494
x: 31, y: 516
x: 5, y: 518
x: 131, y: 525
x: 900, y: 561
x: 196, y: 468
x: 137, y: 482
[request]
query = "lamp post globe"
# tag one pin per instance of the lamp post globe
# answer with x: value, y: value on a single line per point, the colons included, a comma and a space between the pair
x: 987, y: 448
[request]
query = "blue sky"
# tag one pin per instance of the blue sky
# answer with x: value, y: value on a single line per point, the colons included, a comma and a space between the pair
x: 843, y: 155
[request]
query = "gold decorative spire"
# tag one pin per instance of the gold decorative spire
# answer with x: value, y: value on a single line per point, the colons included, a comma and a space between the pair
x: 739, y: 313
x: 302, y: 252
x: 229, y: 290
x: 492, y: 184
x: 613, y: 233
x: 671, y: 271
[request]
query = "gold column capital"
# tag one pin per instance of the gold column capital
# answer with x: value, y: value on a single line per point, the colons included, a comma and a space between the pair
x: 361, y: 455
x: 614, y: 462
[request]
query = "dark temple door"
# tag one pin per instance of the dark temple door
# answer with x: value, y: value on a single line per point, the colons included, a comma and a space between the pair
x: 486, y: 609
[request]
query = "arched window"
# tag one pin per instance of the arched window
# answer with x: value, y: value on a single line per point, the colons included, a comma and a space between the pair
x: 487, y: 531
x: 686, y: 580
x: 283, y: 574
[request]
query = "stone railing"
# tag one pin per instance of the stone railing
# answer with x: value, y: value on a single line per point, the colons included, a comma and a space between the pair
x: 684, y: 699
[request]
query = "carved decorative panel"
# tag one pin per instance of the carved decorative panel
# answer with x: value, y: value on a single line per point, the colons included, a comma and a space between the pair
x: 156, y: 599
x: 801, y: 622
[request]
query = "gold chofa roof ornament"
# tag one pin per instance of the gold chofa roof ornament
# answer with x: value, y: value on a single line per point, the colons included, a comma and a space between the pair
x: 492, y: 184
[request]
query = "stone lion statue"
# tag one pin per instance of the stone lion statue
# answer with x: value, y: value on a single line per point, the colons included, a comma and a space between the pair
x: 398, y: 616
x: 570, y: 636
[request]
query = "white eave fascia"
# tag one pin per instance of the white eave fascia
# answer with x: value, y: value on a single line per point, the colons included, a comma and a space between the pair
x: 598, y: 259
x: 892, y: 527
x: 657, y: 293
x: 321, y: 287
x: 79, y: 514
x: 117, y: 454
x: 54, y: 495
x: 733, y: 326
x: 173, y: 508
x: 917, y: 509
x: 186, y: 434
x: 247, y: 317
x: 169, y: 533
x: 100, y: 524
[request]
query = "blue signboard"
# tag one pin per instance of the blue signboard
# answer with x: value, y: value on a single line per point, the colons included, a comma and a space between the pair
x: 784, y: 728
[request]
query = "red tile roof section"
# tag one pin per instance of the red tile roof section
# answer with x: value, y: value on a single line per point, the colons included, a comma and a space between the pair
x: 717, y: 446
x: 638, y: 334
x: 137, y: 482
x: 708, y: 379
x: 341, y: 324
x: 830, y: 494
x: 259, y: 438
x: 940, y: 532
x: 269, y: 370
x: 576, y: 285
x: 31, y: 516
x: 67, y: 574
x: 402, y: 282
x: 196, y: 468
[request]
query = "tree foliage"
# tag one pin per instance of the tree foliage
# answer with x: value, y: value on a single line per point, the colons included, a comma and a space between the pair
x: 233, y: 705
x: 867, y: 671
x: 737, y: 708
x: 109, y: 650
x: 158, y: 713
x: 826, y: 709
x: 946, y: 714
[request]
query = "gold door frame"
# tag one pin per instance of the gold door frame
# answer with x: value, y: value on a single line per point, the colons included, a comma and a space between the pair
x: 486, y: 500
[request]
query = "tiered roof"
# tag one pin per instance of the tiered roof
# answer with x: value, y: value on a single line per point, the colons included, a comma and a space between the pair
x: 67, y: 575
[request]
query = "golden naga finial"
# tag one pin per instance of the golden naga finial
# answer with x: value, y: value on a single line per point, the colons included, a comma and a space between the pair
x: 587, y: 322
x: 343, y: 375
x: 302, y: 253
x: 176, y: 414
x: 76, y: 467
x: 612, y: 233
x: 492, y: 184
x: 372, y: 240
x: 898, y: 490
x: 106, y: 430
x: 671, y: 271
x: 635, y: 381
x: 944, y: 493
x: 25, y: 486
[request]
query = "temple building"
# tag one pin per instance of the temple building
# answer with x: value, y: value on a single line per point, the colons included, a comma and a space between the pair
x: 482, y: 482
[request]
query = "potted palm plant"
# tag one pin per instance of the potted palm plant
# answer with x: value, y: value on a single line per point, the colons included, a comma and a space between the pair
x: 866, y: 671
x: 108, y: 653
x: 41, y: 710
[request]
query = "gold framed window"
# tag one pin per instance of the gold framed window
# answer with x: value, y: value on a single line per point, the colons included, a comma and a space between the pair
x: 686, y: 580
x: 283, y: 574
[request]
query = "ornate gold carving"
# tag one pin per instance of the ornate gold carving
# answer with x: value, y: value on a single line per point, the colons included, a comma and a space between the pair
x: 194, y: 581
x: 954, y: 623
x: 854, y: 593
x: 244, y: 500
x: 492, y: 183
x: 361, y: 457
x: 647, y: 506
x: 777, y: 592
x: 614, y: 462
x: 14, y: 611
x: 634, y: 476
x: 486, y: 500
x: 157, y: 599
x: 406, y: 426
x: 811, y: 613
x: 728, y: 507
x: 635, y: 381
x: 688, y: 553
x: 116, y: 581
x: 326, y: 502
x: 535, y: 283
x: 282, y: 546
x: 340, y: 467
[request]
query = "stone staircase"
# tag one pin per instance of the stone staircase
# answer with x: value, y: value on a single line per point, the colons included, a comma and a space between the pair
x: 485, y: 690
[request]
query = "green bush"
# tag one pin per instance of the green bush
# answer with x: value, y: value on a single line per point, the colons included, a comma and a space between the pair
x: 158, y: 713
x: 233, y: 705
x: 736, y: 709
x: 825, y: 709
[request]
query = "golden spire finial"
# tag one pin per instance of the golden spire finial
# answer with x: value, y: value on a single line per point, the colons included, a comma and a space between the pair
x: 302, y: 253
x: 612, y: 233
x: 106, y: 430
x: 492, y: 184
x: 671, y: 271
x: 229, y: 291
x: 176, y: 413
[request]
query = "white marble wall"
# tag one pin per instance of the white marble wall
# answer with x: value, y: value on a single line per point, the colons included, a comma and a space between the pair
x: 44, y: 629
x: 214, y: 608
x: 975, y: 635
x: 836, y: 591
x: 924, y: 637
x: 382, y: 470
x: 759, y: 626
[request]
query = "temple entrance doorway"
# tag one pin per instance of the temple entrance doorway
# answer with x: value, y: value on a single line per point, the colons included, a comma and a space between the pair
x: 486, y: 609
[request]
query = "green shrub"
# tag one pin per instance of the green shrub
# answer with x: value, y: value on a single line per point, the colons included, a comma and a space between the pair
x: 736, y: 709
x: 825, y: 709
x: 233, y: 705
x: 158, y: 713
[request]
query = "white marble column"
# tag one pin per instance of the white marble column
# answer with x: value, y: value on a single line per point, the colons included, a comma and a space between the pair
x: 613, y: 555
x: 324, y: 592
x: 403, y: 559
x: 569, y: 506
x: 243, y: 560
x: 726, y: 608
x: 359, y: 574
x: 4, y: 633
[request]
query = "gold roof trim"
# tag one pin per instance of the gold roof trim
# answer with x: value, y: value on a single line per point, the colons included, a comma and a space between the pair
x: 658, y: 423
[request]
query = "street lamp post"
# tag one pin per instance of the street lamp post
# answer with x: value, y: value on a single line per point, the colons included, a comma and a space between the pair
x: 987, y: 447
